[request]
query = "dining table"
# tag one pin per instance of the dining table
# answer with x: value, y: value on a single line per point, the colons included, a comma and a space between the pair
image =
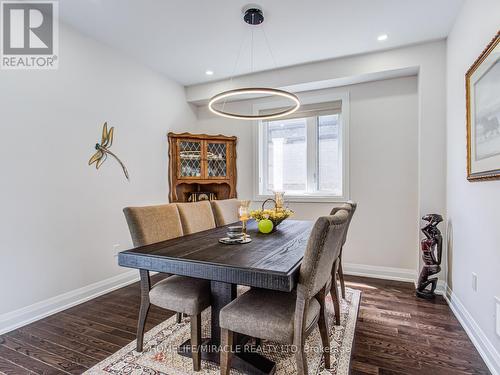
x: 269, y: 261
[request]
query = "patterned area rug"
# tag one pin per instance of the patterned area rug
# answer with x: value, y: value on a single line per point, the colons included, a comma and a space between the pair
x: 160, y: 350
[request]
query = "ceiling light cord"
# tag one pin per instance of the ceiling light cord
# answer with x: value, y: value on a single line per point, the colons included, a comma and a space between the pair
x: 253, y: 16
x: 238, y: 56
x: 269, y: 47
x: 251, y: 57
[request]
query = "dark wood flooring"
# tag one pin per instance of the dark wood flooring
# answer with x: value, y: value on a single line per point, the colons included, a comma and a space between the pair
x: 396, y: 334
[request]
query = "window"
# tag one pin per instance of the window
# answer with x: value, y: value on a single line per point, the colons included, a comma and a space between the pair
x: 304, y: 155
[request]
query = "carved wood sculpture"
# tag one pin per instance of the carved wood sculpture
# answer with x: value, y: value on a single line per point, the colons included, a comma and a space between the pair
x: 432, y: 249
x: 103, y: 150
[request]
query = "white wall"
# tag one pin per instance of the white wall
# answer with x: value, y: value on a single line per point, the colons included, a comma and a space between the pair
x: 383, y: 169
x: 428, y: 59
x: 473, y: 208
x: 60, y: 218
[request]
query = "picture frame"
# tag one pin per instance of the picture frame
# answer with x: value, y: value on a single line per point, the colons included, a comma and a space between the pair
x: 482, y: 82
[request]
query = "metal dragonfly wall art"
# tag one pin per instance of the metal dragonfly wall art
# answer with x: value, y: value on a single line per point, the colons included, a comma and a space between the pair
x: 103, y: 150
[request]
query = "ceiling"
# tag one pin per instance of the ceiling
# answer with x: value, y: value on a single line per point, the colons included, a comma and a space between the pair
x: 184, y: 38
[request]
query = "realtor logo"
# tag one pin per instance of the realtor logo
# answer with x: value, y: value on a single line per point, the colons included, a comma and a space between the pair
x: 29, y: 35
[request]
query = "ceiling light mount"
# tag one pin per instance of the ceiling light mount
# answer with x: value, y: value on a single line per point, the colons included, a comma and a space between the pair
x: 253, y: 15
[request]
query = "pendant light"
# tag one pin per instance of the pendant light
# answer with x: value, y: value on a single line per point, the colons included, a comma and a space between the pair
x: 254, y: 17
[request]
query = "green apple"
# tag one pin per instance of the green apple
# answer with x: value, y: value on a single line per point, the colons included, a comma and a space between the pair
x: 265, y: 226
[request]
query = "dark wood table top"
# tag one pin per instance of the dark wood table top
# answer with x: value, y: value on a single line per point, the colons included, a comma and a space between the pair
x: 269, y: 261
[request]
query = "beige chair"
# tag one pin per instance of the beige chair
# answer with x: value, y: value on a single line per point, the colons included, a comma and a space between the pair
x: 226, y: 211
x: 184, y: 295
x: 337, y: 270
x: 153, y: 224
x: 196, y: 217
x: 289, y: 317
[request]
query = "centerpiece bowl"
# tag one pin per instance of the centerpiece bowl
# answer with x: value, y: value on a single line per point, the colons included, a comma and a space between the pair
x: 277, y: 214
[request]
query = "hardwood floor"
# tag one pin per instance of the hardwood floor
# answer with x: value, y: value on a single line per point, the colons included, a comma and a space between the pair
x: 396, y: 334
x: 400, y: 334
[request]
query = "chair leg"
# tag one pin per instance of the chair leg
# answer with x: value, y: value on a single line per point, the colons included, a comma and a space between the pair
x: 143, y: 311
x: 334, y: 292
x: 299, y: 329
x: 226, y: 348
x: 341, y: 278
x: 301, y: 359
x: 196, y: 341
x: 323, y: 330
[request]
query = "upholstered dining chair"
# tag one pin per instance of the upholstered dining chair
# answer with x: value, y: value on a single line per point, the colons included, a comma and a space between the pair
x: 196, y: 216
x: 184, y: 295
x: 337, y: 270
x: 226, y: 211
x: 289, y: 317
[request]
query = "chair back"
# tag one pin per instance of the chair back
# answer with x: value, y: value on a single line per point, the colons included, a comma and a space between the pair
x: 350, y: 207
x: 196, y: 217
x: 323, y: 248
x: 226, y: 211
x: 151, y: 224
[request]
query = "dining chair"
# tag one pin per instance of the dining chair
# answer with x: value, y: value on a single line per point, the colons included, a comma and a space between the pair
x: 196, y: 216
x: 289, y: 317
x: 350, y: 206
x: 226, y: 211
x: 184, y: 295
x: 337, y: 270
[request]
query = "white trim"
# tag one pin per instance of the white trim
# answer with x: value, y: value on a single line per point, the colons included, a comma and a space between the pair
x: 378, y: 272
x: 483, y: 345
x: 29, y: 314
x: 440, y: 288
x: 306, y: 198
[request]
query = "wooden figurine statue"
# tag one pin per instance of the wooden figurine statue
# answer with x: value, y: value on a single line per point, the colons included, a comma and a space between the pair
x: 432, y: 249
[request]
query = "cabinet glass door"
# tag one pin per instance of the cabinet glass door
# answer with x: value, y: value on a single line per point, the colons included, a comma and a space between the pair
x: 190, y: 157
x: 217, y: 159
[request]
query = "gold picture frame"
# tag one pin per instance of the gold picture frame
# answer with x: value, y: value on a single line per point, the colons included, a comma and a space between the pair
x: 482, y: 86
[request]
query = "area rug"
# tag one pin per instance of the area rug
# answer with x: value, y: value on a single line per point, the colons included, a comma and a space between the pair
x: 161, y: 343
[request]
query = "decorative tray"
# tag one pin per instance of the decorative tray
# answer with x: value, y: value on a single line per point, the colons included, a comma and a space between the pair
x: 235, y: 241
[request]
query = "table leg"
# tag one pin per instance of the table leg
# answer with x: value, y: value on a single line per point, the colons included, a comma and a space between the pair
x: 143, y: 312
x: 222, y: 294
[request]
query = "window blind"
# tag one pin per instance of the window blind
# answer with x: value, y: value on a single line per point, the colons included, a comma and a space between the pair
x: 309, y: 110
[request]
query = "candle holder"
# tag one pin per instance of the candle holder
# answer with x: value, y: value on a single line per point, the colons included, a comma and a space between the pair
x: 244, y: 215
x: 279, y: 200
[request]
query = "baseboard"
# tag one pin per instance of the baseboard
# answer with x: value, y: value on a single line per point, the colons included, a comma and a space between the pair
x: 485, y: 348
x: 21, y: 317
x: 440, y: 288
x: 387, y: 273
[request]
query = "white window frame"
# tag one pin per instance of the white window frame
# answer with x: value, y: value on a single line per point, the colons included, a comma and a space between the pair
x: 260, y: 133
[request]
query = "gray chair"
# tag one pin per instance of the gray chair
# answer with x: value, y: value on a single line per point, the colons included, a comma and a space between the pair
x: 337, y: 269
x: 289, y: 317
x: 226, y: 211
x: 196, y: 217
x: 184, y: 295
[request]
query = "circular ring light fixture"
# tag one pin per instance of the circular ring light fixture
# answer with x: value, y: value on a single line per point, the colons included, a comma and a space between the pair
x: 254, y: 16
x: 254, y: 90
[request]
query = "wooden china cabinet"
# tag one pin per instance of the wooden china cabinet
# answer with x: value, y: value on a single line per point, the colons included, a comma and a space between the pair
x: 201, y: 167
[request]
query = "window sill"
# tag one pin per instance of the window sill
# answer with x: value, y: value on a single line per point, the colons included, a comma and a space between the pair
x: 305, y: 198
